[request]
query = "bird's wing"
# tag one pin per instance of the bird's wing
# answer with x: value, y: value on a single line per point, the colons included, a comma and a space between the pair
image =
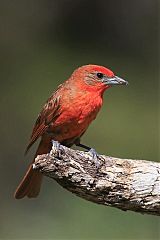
x: 48, y: 115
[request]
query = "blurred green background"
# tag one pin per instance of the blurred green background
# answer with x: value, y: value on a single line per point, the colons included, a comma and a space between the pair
x: 41, y: 43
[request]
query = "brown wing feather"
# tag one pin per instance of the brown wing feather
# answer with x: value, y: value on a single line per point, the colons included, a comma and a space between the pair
x: 48, y: 114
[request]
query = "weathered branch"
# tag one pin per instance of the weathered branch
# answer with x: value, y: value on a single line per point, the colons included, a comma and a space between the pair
x: 122, y: 183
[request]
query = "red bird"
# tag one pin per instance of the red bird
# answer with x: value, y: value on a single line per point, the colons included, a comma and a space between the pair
x: 66, y: 116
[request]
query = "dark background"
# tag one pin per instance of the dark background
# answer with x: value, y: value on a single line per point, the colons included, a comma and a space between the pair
x: 41, y: 43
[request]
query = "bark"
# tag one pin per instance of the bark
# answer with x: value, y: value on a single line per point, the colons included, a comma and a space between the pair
x: 122, y: 183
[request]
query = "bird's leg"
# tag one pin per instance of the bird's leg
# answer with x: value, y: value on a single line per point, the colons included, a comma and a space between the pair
x: 92, y: 152
x: 83, y: 146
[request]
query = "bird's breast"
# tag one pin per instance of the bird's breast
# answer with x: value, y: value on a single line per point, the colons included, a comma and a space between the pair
x: 76, y: 115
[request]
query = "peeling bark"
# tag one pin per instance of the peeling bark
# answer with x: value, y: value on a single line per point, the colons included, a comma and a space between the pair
x: 122, y: 183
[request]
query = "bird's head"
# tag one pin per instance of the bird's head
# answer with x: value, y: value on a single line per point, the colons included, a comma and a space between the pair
x: 96, y: 78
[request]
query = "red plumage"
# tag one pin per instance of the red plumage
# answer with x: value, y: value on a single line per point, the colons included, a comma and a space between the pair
x: 66, y: 116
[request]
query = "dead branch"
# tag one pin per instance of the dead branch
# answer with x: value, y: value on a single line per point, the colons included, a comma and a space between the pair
x: 122, y: 183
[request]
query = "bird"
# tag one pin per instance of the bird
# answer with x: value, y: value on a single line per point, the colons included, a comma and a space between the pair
x: 66, y: 116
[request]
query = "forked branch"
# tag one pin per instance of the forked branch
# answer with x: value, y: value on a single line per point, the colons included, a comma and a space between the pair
x: 122, y: 183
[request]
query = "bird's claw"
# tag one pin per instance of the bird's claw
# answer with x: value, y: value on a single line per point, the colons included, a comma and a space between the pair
x: 94, y: 155
x: 55, y: 144
x: 55, y: 148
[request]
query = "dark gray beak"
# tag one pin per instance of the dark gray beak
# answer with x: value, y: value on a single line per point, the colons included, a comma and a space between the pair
x: 114, y: 81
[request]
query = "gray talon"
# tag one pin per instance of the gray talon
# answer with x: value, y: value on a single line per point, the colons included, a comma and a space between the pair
x: 94, y: 156
x: 56, y: 148
x: 56, y: 144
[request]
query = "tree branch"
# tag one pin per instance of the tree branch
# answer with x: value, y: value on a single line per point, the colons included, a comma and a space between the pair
x: 122, y: 183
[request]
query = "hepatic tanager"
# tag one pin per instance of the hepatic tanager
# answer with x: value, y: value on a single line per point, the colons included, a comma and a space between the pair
x: 66, y: 116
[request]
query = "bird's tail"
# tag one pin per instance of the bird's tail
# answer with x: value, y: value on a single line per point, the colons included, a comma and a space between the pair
x: 31, y: 183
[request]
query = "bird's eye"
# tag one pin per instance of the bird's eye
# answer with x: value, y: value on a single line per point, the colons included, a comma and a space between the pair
x: 100, y: 75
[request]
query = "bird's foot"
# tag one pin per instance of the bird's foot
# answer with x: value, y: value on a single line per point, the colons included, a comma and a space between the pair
x: 92, y: 152
x: 94, y: 155
x: 56, y: 149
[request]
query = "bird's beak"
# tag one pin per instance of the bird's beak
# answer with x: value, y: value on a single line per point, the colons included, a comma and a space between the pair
x: 114, y: 81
